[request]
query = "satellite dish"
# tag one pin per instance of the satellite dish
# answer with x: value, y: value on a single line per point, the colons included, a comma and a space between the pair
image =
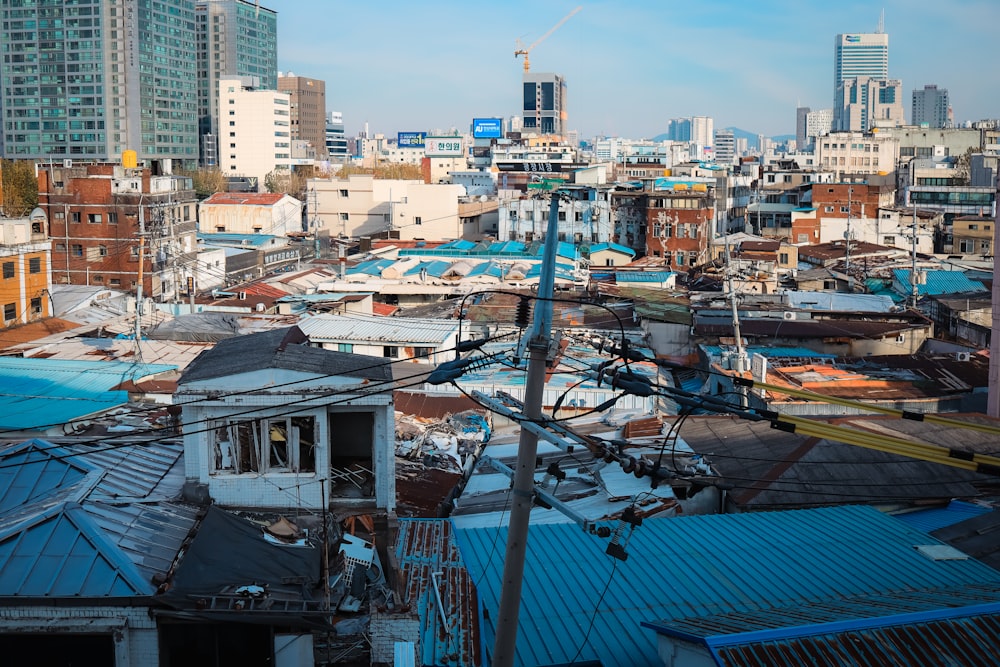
x: 483, y: 198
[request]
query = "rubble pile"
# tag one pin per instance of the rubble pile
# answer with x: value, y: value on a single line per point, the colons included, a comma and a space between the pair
x: 446, y: 443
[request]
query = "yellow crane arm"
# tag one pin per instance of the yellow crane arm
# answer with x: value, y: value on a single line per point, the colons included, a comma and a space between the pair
x: 523, y: 51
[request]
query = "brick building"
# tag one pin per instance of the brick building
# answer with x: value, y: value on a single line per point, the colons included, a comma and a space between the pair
x: 676, y: 224
x: 102, y: 216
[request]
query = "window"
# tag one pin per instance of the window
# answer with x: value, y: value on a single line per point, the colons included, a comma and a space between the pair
x: 889, y: 240
x: 94, y: 218
x: 36, y: 306
x: 9, y: 311
x: 417, y: 220
x: 343, y: 193
x: 34, y: 265
x: 344, y: 217
x: 345, y: 347
x: 783, y: 258
x: 844, y: 209
x: 74, y: 216
x: 102, y: 251
x: 76, y: 250
x: 390, y: 351
x: 8, y: 270
x: 284, y: 444
x: 425, y: 353
x: 115, y: 282
x: 112, y: 218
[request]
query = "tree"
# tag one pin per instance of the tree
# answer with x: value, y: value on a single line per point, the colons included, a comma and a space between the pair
x: 20, y: 187
x: 395, y: 171
x: 289, y: 182
x: 206, y: 181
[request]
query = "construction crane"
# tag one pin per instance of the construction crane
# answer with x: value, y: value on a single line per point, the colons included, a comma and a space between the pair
x: 524, y: 51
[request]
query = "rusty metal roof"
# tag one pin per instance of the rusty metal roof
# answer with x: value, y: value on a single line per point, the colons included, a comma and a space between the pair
x: 431, y: 569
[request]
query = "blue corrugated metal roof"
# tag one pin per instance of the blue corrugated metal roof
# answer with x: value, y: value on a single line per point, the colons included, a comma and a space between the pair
x: 929, y: 520
x: 506, y: 247
x: 938, y: 282
x: 434, y: 268
x: 48, y: 392
x: 643, y: 276
x: 222, y: 238
x: 485, y: 269
x: 92, y: 525
x: 612, y: 246
x: 457, y: 244
x: 372, y: 267
x: 703, y: 566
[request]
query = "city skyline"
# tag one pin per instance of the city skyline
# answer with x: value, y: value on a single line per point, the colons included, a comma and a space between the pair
x: 629, y: 68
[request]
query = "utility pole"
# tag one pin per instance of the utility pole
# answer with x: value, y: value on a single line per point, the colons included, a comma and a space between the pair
x: 527, y: 449
x: 913, y: 269
x: 847, y: 234
x: 741, y: 365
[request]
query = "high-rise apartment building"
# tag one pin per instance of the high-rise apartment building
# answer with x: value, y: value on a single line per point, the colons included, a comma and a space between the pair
x: 308, y: 109
x: 92, y: 78
x: 544, y: 103
x: 702, y: 130
x: 255, y: 135
x: 856, y: 55
x: 818, y: 123
x: 725, y: 147
x: 931, y: 106
x: 698, y: 130
x: 234, y: 38
x: 801, y: 118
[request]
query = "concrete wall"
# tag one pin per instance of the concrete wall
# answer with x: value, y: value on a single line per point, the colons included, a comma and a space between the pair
x: 132, y: 629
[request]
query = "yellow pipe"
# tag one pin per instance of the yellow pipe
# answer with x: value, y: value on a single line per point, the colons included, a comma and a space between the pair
x: 936, y: 419
x: 925, y: 451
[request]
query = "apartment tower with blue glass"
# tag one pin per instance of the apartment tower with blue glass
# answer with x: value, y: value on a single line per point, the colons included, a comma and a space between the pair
x: 235, y: 38
x: 90, y: 79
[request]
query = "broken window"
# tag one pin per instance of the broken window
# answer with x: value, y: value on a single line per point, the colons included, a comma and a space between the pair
x: 282, y: 444
x: 352, y: 437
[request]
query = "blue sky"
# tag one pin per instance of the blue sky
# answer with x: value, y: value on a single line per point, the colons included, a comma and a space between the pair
x: 630, y: 66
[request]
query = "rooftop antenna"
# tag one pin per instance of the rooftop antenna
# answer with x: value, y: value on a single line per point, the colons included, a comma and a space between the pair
x: 881, y: 22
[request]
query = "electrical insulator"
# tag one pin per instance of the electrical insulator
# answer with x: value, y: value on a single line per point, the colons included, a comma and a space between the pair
x: 523, y: 316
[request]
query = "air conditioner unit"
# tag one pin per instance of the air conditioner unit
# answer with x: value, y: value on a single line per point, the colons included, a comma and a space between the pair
x: 962, y: 356
x: 68, y: 163
x: 242, y: 296
x: 788, y: 315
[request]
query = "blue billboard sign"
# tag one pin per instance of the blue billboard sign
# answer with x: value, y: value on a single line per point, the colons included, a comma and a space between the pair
x: 487, y: 128
x: 410, y: 139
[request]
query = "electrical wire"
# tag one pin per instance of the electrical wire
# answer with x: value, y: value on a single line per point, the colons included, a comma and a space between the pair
x: 593, y: 616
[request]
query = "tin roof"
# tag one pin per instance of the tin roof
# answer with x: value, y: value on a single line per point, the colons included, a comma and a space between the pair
x: 85, y: 520
x: 755, y: 565
x: 598, y: 247
x: 38, y: 393
x: 246, y: 198
x: 938, y: 282
x: 929, y: 520
x: 429, y: 559
x: 281, y: 348
x: 643, y: 276
x: 359, y: 328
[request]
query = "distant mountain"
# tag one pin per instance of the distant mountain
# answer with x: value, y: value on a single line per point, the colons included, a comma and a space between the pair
x: 751, y: 137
